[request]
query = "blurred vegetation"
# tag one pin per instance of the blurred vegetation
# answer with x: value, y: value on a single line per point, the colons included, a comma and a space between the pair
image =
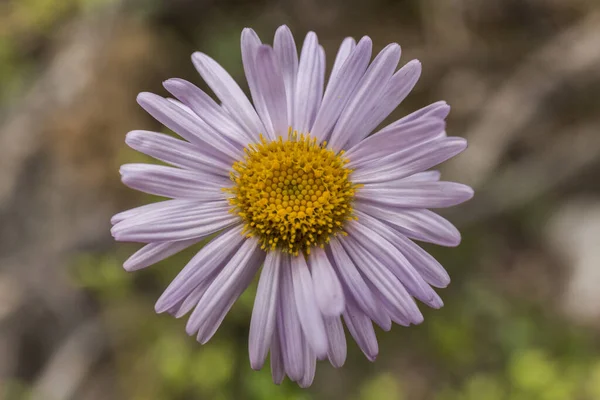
x: 487, y: 343
x: 483, y: 345
x: 25, y: 32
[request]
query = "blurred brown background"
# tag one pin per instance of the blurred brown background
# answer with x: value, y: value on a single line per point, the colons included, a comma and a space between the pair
x: 522, y: 315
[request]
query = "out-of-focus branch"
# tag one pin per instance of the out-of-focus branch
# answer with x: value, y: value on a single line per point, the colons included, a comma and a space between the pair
x: 444, y: 26
x: 21, y: 134
x: 11, y: 298
x: 501, y: 120
x: 70, y: 363
x: 561, y: 160
x: 8, y: 355
x: 28, y: 256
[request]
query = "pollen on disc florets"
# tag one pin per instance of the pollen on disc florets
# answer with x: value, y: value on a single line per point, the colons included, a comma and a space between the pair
x: 292, y: 194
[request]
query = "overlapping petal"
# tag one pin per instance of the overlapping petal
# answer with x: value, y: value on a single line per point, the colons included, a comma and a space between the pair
x: 308, y: 84
x: 350, y: 128
x: 264, y: 312
x: 287, y: 56
x: 173, y: 182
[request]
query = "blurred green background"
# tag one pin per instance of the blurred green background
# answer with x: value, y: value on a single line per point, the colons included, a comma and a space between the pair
x: 522, y: 315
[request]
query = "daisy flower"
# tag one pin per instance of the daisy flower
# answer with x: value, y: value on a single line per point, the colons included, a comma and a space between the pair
x: 296, y: 187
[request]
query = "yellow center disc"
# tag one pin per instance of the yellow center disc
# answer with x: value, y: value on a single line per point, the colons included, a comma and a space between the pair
x: 292, y: 194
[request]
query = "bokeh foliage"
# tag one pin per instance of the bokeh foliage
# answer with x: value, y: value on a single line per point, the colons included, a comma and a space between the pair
x: 483, y: 345
x: 487, y: 343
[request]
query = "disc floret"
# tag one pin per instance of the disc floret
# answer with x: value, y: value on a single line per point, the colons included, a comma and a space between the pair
x: 292, y: 194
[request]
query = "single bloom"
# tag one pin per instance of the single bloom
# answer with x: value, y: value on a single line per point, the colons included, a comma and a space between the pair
x: 296, y: 187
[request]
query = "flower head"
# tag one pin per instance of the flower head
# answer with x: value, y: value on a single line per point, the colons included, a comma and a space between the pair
x: 297, y: 188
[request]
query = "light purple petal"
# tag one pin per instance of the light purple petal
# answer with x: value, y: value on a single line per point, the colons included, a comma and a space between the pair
x: 388, y: 285
x: 194, y: 297
x: 232, y: 280
x: 399, y: 86
x: 288, y: 325
x: 201, y: 266
x: 189, y: 126
x: 374, y: 237
x: 230, y: 94
x: 438, y: 110
x: 306, y: 93
x: 174, y: 309
x: 400, y: 138
x: 172, y: 182
x: 417, y: 260
x: 154, y: 252
x: 349, y: 129
x: 355, y: 285
x: 287, y: 55
x: 421, y: 126
x: 166, y: 210
x: 429, y: 268
x: 264, y: 312
x: 341, y: 86
x: 176, y: 152
x: 396, y: 314
x: 195, y: 222
x: 328, y: 290
x: 361, y: 329
x: 346, y: 48
x: 404, y: 164
x: 419, y: 224
x: 306, y: 305
x: 272, y: 88
x: 215, y: 319
x: 205, y: 107
x: 158, y: 207
x: 277, y: 368
x: 182, y: 106
x: 310, y: 365
x: 427, y: 176
x: 321, y: 65
x: 337, y: 341
x: 250, y: 44
x: 417, y: 194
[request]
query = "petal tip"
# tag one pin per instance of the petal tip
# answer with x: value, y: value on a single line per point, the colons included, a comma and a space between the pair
x: 191, y: 329
x: 453, y: 241
x: 349, y: 39
x: 198, y: 57
x: 469, y: 192
x: 415, y: 65
x: 159, y: 306
x: 393, y: 47
x: 145, y: 97
x: 133, y: 137
x: 172, y: 83
x: 365, y: 39
x: 129, y: 266
x: 417, y: 319
x: 114, y: 231
x: 436, y: 303
x: 263, y: 50
x: 283, y: 28
x: 256, y: 364
x: 311, y: 37
x: 248, y: 33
